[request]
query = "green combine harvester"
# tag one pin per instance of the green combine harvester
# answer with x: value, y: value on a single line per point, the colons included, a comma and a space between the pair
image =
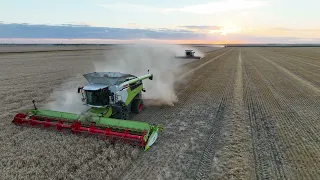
x: 189, y: 54
x: 111, y: 96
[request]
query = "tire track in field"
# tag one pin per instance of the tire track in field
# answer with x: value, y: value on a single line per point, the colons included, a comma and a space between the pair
x: 160, y: 115
x: 207, y: 161
x: 209, y: 152
x: 233, y: 159
x: 183, y: 100
x: 147, y: 170
x: 268, y: 160
x: 290, y: 74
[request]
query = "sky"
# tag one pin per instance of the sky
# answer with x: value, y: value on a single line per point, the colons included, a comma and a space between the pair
x: 173, y: 21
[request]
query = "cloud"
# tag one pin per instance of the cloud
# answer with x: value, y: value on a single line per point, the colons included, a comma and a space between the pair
x: 220, y: 6
x: 201, y: 27
x: 208, y: 8
x: 226, y: 30
x: 213, y: 29
x: 88, y: 34
x: 130, y: 7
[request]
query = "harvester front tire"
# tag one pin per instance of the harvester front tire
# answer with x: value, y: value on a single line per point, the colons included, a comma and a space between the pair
x: 137, y: 106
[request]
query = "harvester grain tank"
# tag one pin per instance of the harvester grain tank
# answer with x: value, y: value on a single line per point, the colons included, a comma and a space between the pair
x: 111, y: 97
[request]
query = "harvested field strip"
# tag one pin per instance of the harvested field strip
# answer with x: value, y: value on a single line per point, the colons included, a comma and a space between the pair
x: 34, y: 153
x: 297, y: 144
x: 234, y: 157
x: 304, y: 56
x: 202, y: 65
x: 27, y: 151
x: 268, y: 160
x: 305, y: 106
x: 167, y: 143
x: 9, y: 58
x: 310, y: 86
x: 207, y: 160
x: 192, y: 113
x: 192, y: 65
x: 48, y: 51
x: 311, y: 74
x: 300, y: 60
x: 307, y: 54
x: 243, y: 113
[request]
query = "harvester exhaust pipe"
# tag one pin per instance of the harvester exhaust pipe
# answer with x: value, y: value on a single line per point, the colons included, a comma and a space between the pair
x: 151, y: 77
x: 34, y: 105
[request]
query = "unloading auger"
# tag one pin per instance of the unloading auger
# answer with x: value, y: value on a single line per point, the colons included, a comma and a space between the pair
x: 111, y: 96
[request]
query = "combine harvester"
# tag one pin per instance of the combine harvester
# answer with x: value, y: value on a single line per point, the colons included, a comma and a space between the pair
x: 189, y: 54
x: 110, y: 96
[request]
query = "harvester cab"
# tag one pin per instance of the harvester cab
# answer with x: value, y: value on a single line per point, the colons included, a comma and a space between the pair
x: 110, y: 96
x: 119, y: 91
x: 189, y: 53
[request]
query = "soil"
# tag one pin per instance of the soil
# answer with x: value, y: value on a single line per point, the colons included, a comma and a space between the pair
x: 241, y: 113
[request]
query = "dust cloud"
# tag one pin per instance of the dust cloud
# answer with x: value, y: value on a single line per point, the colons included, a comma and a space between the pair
x: 137, y: 59
x: 134, y: 59
x: 66, y: 98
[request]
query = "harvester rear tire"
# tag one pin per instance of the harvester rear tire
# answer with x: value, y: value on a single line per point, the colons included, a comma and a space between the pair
x: 137, y: 106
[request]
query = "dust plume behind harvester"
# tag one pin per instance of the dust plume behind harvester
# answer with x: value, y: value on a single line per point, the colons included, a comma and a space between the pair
x: 110, y: 96
x: 189, y: 54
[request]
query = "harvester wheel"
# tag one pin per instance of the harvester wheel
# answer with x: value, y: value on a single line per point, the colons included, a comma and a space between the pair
x: 125, y: 116
x: 125, y: 113
x: 137, y: 106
